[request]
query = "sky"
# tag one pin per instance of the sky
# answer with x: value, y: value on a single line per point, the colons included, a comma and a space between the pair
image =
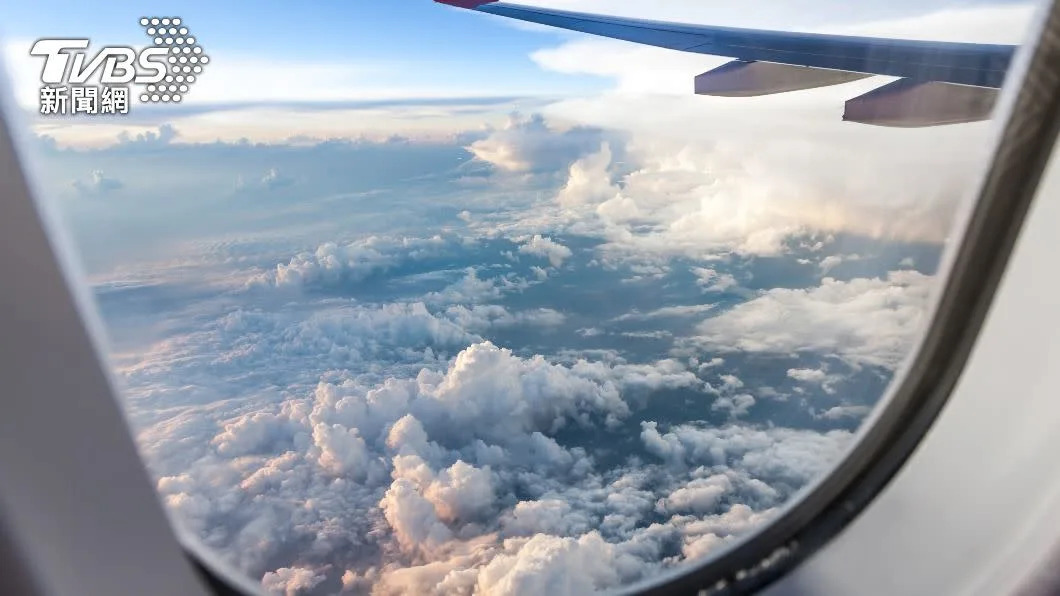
x: 410, y: 300
x: 401, y: 49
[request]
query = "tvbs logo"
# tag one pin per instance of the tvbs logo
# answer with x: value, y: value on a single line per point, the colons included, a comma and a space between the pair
x: 75, y: 83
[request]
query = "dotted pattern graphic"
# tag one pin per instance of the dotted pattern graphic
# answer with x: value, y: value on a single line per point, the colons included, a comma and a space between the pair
x: 186, y: 58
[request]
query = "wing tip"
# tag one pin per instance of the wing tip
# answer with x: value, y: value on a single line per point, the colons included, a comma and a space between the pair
x: 465, y: 3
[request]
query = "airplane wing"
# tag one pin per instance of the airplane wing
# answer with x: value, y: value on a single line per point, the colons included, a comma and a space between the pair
x: 939, y: 82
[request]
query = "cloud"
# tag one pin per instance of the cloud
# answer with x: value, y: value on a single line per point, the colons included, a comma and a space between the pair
x: 480, y: 317
x: 549, y: 516
x: 273, y: 179
x: 343, y: 451
x: 706, y: 534
x: 472, y: 472
x: 333, y: 265
x: 667, y: 312
x: 687, y: 197
x: 547, y: 248
x: 712, y: 281
x: 99, y: 184
x: 589, y: 183
x: 491, y: 394
x: 564, y: 566
x: 426, y: 468
x: 404, y: 263
x: 828, y: 263
x: 840, y: 412
x: 735, y: 406
x: 253, y: 349
x: 413, y: 518
x: 288, y: 581
x: 148, y: 139
x: 470, y: 289
x: 719, y: 175
x: 493, y: 404
x: 743, y: 186
x: 251, y: 434
x: 529, y: 144
x: 701, y: 495
x: 864, y: 321
x: 1000, y: 23
x: 420, y: 505
x: 818, y: 376
x: 781, y: 455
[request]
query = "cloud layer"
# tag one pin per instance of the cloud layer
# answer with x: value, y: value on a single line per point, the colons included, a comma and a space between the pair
x: 556, y: 352
x: 349, y: 420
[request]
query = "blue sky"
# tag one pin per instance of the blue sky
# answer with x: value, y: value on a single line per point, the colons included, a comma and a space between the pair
x: 403, y: 43
x: 398, y: 30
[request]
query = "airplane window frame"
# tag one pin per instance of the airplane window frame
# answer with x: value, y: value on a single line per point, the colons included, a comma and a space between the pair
x: 1029, y: 118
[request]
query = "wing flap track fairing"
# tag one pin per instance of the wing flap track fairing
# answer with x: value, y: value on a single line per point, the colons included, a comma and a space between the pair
x: 740, y: 78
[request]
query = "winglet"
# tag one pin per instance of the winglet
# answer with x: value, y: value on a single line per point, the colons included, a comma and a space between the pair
x: 465, y: 3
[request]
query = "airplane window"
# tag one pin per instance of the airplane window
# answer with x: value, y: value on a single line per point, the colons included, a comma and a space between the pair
x: 408, y: 298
